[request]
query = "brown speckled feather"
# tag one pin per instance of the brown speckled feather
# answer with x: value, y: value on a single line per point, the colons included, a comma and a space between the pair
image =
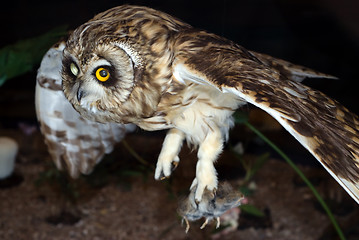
x: 322, y: 125
x: 289, y: 70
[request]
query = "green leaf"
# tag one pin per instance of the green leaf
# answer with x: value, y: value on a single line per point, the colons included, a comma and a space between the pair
x: 252, y: 210
x: 240, y: 117
x: 2, y: 79
x: 245, y: 191
x: 21, y: 57
x: 258, y: 163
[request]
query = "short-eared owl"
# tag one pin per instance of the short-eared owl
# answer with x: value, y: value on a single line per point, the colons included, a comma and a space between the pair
x: 72, y: 140
x: 137, y: 65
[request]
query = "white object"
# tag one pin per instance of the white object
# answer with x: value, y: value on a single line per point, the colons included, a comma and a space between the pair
x: 8, y: 151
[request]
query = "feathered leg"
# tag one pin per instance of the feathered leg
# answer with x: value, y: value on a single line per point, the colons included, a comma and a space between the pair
x: 206, y: 175
x: 169, y: 154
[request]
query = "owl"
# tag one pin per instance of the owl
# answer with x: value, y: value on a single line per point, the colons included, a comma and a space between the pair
x: 134, y: 64
x: 73, y: 142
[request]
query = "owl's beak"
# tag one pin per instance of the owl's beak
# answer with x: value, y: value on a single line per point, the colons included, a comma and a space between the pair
x: 80, y: 94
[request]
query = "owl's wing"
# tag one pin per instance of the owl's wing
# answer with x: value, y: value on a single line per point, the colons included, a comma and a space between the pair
x: 71, y: 140
x: 323, y: 126
x: 289, y: 70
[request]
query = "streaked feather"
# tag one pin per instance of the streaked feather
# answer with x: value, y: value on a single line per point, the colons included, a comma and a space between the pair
x: 323, y: 126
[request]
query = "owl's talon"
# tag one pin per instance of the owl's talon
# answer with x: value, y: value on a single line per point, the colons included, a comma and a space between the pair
x: 174, y: 166
x: 218, y: 219
x: 165, y: 166
x: 161, y: 176
x: 204, y: 224
x: 214, y: 192
x: 209, y: 183
x: 187, y: 224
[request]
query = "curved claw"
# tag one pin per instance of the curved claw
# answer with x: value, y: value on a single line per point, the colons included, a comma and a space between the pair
x: 218, y: 219
x: 214, y: 193
x: 207, y: 221
x: 201, y: 188
x: 174, y: 165
x: 163, y: 178
x: 187, y: 224
x: 204, y: 224
x: 164, y: 168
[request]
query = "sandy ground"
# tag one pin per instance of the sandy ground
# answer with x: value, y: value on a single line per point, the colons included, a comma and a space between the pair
x: 122, y: 201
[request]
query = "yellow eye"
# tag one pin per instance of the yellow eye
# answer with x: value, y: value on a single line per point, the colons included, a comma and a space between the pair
x: 102, y: 74
x: 74, y: 69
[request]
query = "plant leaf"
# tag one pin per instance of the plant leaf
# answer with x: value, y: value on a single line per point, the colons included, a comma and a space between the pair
x: 258, y: 163
x: 252, y: 210
x: 240, y: 117
x: 21, y: 57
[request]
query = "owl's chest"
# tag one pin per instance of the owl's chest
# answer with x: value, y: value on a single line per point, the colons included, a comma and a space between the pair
x: 196, y: 110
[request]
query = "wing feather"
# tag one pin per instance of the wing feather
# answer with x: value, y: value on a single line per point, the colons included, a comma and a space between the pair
x: 289, y: 70
x: 325, y: 128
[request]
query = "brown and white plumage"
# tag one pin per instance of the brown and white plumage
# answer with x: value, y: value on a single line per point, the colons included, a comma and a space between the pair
x: 165, y: 74
x: 72, y: 140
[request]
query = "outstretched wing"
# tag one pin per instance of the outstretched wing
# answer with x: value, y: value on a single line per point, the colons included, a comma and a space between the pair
x: 289, y: 70
x: 71, y: 140
x: 323, y: 126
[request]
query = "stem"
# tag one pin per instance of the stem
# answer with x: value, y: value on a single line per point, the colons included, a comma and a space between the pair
x: 135, y: 155
x: 305, y: 179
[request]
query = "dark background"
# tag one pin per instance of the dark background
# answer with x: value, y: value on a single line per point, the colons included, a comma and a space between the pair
x: 321, y: 34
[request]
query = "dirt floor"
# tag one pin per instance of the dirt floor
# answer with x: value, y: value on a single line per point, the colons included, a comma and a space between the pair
x: 121, y: 200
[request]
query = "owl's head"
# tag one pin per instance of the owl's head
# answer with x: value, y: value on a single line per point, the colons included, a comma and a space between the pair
x: 116, y: 65
x: 99, y: 70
